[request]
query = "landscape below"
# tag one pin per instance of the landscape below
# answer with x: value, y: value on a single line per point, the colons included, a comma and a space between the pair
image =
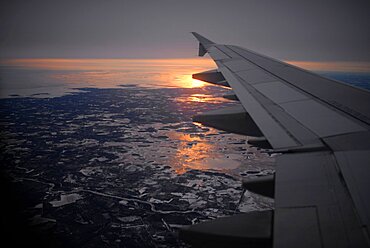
x: 108, y: 156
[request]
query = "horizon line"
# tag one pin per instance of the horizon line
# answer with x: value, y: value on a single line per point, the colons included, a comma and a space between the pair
x: 322, y: 66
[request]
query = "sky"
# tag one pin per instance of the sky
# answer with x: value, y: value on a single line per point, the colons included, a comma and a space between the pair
x: 296, y: 30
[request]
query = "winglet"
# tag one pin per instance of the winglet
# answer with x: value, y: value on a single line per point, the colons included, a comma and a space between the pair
x: 204, y: 43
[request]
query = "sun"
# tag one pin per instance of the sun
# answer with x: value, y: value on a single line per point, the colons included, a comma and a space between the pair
x: 195, y: 83
x: 187, y: 81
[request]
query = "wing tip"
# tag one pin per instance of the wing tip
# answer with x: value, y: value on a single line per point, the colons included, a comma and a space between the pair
x: 203, y: 40
x: 204, y: 43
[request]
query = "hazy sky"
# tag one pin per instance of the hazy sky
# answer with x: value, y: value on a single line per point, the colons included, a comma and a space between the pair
x: 322, y: 30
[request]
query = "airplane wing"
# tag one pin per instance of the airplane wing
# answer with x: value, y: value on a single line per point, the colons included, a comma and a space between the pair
x: 321, y: 128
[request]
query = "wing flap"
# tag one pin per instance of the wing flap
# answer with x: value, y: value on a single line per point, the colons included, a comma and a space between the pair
x: 231, y: 96
x: 355, y: 170
x: 304, y: 233
x: 264, y: 185
x: 232, y: 119
x: 317, y: 186
x: 212, y: 76
x: 251, y: 229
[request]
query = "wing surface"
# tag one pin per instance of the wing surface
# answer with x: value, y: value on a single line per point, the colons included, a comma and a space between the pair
x: 321, y: 127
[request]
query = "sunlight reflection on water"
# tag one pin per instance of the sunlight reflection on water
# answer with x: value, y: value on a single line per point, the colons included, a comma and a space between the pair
x: 30, y: 77
x: 182, y: 145
x: 202, y: 98
x: 198, y: 153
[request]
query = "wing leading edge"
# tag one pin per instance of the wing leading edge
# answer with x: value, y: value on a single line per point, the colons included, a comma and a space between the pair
x: 322, y: 129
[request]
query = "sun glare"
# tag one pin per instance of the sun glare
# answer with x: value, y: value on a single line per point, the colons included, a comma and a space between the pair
x: 195, y: 83
x: 186, y: 81
x: 108, y: 73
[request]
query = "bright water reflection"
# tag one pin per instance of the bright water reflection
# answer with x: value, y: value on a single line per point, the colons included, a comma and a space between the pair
x: 55, y: 77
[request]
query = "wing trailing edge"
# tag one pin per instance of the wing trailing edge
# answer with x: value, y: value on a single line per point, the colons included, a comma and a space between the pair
x: 231, y: 119
x: 212, y: 77
x: 253, y: 229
